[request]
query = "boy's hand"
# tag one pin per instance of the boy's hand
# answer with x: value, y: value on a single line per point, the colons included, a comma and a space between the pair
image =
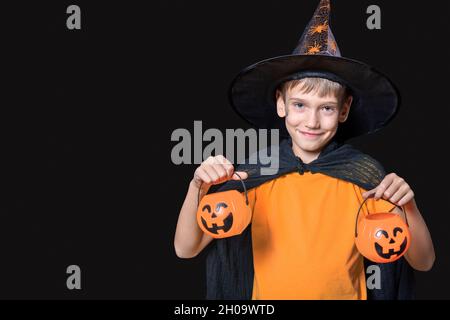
x: 392, y: 188
x: 215, y: 170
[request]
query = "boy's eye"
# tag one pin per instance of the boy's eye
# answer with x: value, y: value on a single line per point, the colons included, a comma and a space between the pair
x: 328, y: 108
x: 298, y: 105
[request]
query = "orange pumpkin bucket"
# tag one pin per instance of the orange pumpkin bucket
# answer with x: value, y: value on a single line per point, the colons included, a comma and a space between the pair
x: 382, y: 237
x: 224, y: 214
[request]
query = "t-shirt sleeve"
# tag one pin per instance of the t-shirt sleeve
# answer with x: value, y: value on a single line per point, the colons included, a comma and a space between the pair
x: 375, y: 206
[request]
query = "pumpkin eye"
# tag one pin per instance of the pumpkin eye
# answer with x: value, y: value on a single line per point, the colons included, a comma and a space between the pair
x: 382, y: 232
x: 221, y: 205
x: 397, y: 230
x: 207, y: 207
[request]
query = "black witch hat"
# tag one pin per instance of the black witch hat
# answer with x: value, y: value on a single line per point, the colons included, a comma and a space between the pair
x: 375, y: 98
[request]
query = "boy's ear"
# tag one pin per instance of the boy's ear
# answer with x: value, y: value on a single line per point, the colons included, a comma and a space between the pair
x: 343, y: 114
x: 281, y: 106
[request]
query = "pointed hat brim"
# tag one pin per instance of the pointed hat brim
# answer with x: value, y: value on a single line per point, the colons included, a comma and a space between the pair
x: 375, y: 98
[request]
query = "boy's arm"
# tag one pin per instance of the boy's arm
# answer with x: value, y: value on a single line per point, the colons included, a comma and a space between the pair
x: 420, y: 254
x: 189, y: 238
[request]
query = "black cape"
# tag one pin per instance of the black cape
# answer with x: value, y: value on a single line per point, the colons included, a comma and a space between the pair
x: 229, y: 261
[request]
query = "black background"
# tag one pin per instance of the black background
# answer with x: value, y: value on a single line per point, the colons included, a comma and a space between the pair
x: 86, y: 118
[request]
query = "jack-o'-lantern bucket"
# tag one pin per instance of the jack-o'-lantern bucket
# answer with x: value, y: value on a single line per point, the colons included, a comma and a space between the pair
x: 224, y: 214
x: 382, y: 237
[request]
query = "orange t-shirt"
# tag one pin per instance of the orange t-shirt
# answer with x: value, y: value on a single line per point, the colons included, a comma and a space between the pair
x: 303, y: 237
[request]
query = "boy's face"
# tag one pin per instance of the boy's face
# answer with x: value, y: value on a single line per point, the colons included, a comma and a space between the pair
x: 311, y: 120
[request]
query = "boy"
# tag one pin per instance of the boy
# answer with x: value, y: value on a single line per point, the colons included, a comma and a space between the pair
x: 300, y: 244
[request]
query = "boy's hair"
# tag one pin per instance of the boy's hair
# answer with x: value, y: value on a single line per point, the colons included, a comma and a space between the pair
x: 323, y: 87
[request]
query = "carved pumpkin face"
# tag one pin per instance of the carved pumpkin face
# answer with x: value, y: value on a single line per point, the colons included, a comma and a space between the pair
x: 390, y: 243
x: 223, y: 214
x: 382, y: 237
x: 218, y: 218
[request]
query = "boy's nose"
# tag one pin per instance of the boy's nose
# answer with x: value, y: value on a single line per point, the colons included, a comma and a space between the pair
x: 312, y: 122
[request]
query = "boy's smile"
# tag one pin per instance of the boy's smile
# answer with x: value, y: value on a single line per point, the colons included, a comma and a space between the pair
x: 311, y: 120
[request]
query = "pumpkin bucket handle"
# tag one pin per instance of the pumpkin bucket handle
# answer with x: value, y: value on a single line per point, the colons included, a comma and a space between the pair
x: 357, y: 216
x: 243, y: 185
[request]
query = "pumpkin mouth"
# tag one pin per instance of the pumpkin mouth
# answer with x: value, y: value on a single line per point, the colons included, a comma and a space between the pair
x: 225, y: 227
x: 391, y: 252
